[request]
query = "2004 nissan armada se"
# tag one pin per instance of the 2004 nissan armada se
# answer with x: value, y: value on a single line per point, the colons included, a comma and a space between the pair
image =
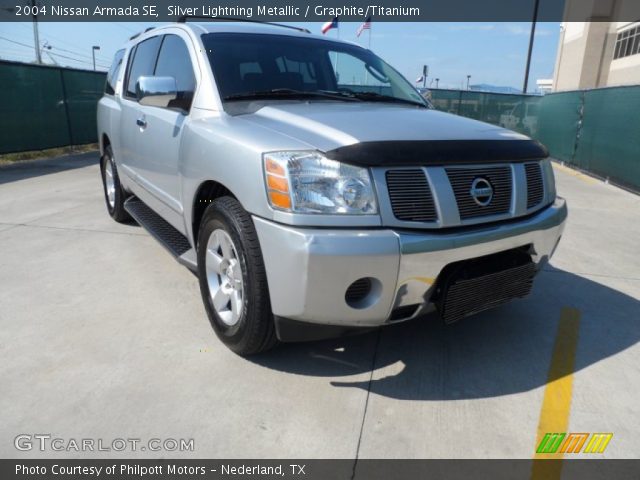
x: 312, y: 188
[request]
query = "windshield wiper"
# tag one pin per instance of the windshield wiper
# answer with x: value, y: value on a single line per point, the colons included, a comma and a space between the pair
x: 291, y: 93
x: 379, y: 97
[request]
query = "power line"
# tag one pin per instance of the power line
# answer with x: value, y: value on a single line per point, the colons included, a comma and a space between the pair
x: 119, y: 24
x: 17, y: 43
x: 103, y: 57
x: 57, y: 39
x: 89, y: 57
x: 75, y: 59
x: 56, y: 54
x: 75, y: 53
x: 15, y: 53
x: 83, y: 55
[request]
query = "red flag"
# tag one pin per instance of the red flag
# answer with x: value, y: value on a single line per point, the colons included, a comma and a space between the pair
x: 329, y: 25
x: 365, y: 26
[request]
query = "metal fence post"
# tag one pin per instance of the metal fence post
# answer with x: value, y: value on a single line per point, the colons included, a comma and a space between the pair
x: 578, y: 129
x: 66, y: 108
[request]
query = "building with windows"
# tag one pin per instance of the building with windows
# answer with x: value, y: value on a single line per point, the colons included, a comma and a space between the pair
x: 597, y: 54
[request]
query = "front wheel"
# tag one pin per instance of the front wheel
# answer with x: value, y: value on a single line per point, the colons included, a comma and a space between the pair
x: 233, y: 280
x: 114, y: 195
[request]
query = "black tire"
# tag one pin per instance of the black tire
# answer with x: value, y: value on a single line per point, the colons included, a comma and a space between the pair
x: 254, y: 331
x: 115, y: 209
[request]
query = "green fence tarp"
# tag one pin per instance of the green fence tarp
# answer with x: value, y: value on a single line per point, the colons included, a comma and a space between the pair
x: 609, y: 142
x: 516, y: 112
x: 45, y: 107
x: 83, y: 92
x: 596, y: 130
x: 446, y: 100
x: 559, y: 123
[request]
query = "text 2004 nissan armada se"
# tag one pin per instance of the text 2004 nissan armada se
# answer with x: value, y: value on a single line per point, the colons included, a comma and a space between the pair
x: 312, y: 188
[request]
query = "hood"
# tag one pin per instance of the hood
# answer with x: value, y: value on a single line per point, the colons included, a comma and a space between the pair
x: 388, y: 134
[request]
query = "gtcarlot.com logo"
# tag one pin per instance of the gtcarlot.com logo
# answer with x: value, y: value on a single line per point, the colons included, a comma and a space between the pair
x: 46, y: 442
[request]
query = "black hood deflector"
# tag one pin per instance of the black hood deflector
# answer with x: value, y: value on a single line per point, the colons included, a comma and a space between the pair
x: 438, y: 152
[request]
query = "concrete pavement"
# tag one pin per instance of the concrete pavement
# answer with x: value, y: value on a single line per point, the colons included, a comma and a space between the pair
x: 103, y: 335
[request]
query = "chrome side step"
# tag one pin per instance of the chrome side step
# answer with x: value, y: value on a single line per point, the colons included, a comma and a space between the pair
x: 170, y: 238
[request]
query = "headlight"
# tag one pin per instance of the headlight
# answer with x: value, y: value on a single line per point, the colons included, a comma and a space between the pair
x: 308, y: 182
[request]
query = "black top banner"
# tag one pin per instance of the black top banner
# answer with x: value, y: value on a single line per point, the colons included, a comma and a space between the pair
x: 321, y: 10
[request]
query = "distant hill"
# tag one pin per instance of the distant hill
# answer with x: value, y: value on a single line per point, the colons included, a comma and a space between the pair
x: 484, y: 87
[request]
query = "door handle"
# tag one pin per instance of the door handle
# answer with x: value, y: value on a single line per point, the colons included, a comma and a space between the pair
x: 141, y: 122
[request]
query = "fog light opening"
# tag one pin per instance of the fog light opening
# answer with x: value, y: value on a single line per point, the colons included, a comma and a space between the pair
x: 363, y: 293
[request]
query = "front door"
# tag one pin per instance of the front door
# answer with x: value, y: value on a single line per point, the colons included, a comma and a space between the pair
x: 153, y: 134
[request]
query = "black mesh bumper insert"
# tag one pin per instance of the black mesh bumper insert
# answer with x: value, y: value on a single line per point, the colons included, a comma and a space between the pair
x: 475, y: 285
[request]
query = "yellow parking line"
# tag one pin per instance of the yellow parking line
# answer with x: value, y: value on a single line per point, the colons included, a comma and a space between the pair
x: 427, y: 280
x: 575, y: 173
x: 556, y: 405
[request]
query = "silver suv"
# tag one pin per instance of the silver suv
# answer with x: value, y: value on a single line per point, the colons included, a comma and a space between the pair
x: 310, y: 186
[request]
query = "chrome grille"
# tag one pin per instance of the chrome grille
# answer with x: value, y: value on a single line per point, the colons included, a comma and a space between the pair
x: 410, y: 195
x: 535, y: 186
x: 500, y: 179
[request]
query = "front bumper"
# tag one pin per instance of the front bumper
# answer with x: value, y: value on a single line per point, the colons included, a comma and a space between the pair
x: 310, y: 269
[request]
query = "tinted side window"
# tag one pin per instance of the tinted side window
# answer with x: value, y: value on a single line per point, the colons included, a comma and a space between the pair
x: 144, y: 61
x: 112, y: 76
x: 174, y: 61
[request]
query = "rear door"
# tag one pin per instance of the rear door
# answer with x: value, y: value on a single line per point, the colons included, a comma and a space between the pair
x: 109, y: 109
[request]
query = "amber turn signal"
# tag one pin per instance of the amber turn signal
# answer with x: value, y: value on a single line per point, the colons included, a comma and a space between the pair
x: 271, y: 166
x: 277, y: 183
x: 280, y: 200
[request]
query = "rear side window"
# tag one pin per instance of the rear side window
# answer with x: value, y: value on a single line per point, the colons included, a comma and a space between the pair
x: 174, y: 61
x: 144, y: 60
x: 112, y: 76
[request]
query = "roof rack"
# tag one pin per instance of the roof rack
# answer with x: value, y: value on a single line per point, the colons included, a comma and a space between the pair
x: 140, y: 33
x: 184, y: 18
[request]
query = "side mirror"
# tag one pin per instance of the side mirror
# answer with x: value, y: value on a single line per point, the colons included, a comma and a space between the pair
x: 156, y: 91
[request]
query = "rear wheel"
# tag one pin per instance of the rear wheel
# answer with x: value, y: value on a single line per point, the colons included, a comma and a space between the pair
x: 114, y: 195
x: 232, y: 278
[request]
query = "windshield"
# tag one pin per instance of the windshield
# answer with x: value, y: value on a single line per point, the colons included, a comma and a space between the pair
x: 258, y: 66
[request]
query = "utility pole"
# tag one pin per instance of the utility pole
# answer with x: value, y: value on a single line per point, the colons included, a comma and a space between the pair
x: 93, y: 52
x: 36, y: 36
x: 533, y: 33
x: 45, y: 46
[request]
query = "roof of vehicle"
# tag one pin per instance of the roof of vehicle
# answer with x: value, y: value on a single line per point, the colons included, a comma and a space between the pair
x: 201, y: 27
x: 258, y: 27
x: 245, y: 27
